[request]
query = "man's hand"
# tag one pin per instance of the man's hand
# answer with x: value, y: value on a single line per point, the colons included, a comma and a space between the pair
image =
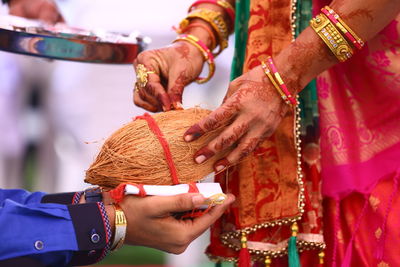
x: 151, y: 224
x: 44, y: 10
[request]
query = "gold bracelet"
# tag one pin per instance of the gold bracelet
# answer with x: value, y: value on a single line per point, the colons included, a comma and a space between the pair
x: 204, y: 51
x: 332, y: 37
x: 120, y: 228
x: 274, y: 83
x: 215, y: 19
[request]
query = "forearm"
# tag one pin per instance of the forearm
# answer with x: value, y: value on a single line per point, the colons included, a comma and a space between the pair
x: 308, y: 56
x: 54, y: 234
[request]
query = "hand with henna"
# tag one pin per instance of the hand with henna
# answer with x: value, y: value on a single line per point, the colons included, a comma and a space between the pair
x: 251, y: 111
x: 174, y: 66
x: 44, y: 10
x: 151, y: 222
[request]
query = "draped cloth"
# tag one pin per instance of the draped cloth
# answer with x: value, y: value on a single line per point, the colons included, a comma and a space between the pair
x: 357, y: 152
x: 275, y: 185
x: 360, y: 151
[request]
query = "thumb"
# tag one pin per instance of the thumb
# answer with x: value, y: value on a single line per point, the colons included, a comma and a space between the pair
x: 176, y: 86
x: 165, y: 205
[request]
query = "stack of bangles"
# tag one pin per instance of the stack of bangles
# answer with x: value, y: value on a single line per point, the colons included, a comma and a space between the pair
x: 207, y: 55
x: 215, y: 25
x: 336, y: 34
x: 276, y: 79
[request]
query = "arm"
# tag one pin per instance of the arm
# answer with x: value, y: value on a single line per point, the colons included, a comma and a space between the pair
x: 53, y: 234
x: 175, y: 66
x: 312, y: 56
x: 20, y: 196
x: 253, y: 109
x: 59, y: 235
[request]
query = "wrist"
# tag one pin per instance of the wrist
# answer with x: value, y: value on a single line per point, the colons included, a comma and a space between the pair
x: 201, y: 33
x: 303, y: 60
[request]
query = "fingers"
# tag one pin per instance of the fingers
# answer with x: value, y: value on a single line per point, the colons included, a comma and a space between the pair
x: 165, y: 205
x: 225, y: 140
x: 176, y: 86
x: 247, y: 144
x: 49, y: 13
x: 152, y: 95
x: 138, y: 101
x: 218, y: 118
x: 202, y: 223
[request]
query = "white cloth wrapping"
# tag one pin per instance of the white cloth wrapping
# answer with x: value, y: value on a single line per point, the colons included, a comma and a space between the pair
x: 208, y: 190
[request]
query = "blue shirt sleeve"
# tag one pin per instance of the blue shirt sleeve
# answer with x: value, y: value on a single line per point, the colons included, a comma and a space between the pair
x: 29, y: 227
x: 20, y: 196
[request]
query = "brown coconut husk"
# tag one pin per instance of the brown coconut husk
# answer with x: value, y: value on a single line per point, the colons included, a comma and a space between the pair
x: 133, y: 154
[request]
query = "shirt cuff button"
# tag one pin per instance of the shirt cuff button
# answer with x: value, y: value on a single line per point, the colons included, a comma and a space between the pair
x: 95, y: 238
x: 39, y: 245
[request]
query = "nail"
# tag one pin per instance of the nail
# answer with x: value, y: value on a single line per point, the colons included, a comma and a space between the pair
x: 200, y: 159
x: 198, y: 200
x: 195, y: 132
x: 219, y: 168
x: 188, y: 138
x: 221, y: 165
x: 178, y: 106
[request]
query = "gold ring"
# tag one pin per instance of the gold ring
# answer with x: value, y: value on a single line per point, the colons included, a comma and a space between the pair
x: 142, y: 75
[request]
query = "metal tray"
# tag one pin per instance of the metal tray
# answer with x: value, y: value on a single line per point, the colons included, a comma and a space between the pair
x: 29, y: 37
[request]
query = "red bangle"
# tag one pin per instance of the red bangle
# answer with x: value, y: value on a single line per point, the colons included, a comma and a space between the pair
x: 339, y: 23
x: 204, y: 27
x: 224, y: 4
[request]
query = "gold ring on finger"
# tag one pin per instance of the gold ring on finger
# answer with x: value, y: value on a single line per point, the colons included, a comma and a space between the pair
x: 142, y: 75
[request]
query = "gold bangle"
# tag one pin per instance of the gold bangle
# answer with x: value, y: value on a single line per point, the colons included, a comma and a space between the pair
x: 274, y: 83
x: 120, y: 228
x: 335, y: 41
x: 207, y: 57
x: 216, y: 21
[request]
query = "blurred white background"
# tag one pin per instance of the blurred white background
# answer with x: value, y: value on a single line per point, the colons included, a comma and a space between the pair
x: 81, y: 102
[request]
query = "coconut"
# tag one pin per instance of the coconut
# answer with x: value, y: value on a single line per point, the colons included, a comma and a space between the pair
x: 135, y: 152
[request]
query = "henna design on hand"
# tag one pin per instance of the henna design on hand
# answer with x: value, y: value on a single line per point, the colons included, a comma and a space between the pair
x: 183, y: 50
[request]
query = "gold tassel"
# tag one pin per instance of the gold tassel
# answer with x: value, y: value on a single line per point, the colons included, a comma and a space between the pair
x: 268, y: 261
x: 321, y: 256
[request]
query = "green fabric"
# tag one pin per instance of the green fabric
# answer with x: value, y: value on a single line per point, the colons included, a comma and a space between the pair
x: 241, y: 25
x: 294, y: 260
x: 308, y: 96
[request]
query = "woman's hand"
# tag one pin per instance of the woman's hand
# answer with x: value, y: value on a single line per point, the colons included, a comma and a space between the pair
x: 174, y: 67
x: 251, y: 111
x: 44, y: 10
x: 151, y: 224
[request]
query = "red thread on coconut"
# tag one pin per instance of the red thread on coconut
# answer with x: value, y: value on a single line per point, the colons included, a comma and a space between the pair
x: 167, y: 152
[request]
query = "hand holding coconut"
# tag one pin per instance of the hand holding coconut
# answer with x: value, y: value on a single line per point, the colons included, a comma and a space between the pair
x: 151, y: 222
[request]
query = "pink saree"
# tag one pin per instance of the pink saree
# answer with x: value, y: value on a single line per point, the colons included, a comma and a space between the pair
x: 359, y: 105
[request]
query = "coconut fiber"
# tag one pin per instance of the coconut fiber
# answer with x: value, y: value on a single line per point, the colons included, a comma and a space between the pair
x: 151, y: 150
